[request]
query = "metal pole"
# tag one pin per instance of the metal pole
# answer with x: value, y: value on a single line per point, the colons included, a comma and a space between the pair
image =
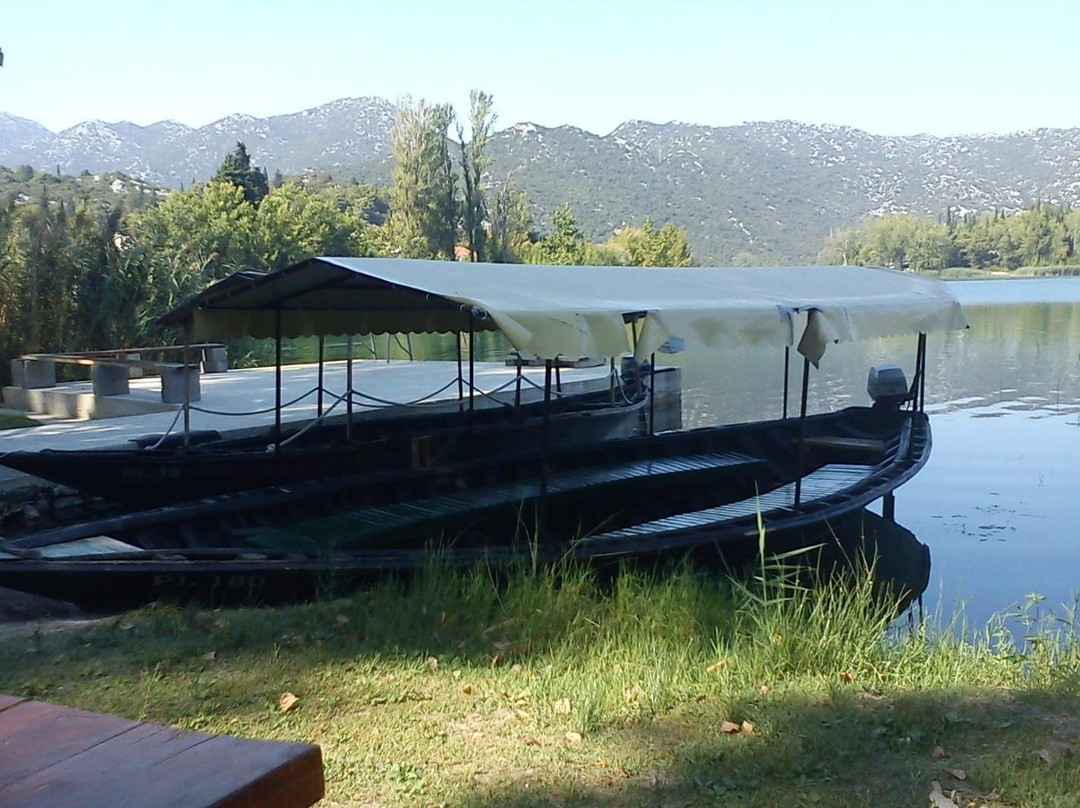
x: 611, y: 380
x: 558, y: 377
x: 348, y: 390
x: 545, y: 437
x: 277, y: 382
x: 322, y: 353
x: 472, y: 364
x: 187, y: 385
x: 922, y: 372
x: 787, y: 372
x: 460, y: 380
x: 517, y: 389
x: 802, y: 432
x: 652, y: 393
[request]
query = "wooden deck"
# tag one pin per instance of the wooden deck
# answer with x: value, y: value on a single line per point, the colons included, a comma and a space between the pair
x: 54, y: 756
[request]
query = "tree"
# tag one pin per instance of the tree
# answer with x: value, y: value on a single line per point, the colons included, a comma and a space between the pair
x: 237, y: 169
x: 565, y: 244
x: 423, y: 216
x: 511, y: 224
x: 473, y: 166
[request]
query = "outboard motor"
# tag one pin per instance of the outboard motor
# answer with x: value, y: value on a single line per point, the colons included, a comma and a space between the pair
x: 887, y: 386
x: 635, y: 376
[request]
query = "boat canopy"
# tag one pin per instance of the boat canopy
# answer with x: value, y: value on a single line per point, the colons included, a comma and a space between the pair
x: 576, y: 311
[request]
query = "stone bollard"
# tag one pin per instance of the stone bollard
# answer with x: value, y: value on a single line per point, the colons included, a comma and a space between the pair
x: 172, y: 384
x: 216, y: 359
x: 109, y: 380
x: 33, y: 374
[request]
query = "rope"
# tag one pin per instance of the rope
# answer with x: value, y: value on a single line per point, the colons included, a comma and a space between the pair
x: 257, y: 412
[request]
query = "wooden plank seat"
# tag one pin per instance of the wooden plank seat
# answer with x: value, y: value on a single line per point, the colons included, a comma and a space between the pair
x: 57, y: 756
x: 412, y: 514
x: 820, y: 484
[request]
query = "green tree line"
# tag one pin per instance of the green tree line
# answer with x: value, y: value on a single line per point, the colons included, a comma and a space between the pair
x: 80, y: 274
x: 1042, y: 235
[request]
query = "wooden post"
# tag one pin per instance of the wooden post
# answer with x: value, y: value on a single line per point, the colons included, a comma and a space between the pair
x: 888, y: 506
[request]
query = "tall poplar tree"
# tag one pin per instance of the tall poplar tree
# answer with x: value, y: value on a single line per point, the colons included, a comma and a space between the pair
x: 423, y: 215
x: 474, y: 163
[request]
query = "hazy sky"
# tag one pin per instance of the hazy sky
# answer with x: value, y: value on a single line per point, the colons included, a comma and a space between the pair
x: 888, y: 67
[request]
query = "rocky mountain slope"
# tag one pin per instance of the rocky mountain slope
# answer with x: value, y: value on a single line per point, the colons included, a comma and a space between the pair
x: 758, y: 192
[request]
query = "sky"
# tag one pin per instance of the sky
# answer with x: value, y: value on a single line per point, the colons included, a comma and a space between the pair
x: 891, y: 68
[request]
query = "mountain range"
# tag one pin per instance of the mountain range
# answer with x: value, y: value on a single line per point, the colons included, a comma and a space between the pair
x: 766, y: 192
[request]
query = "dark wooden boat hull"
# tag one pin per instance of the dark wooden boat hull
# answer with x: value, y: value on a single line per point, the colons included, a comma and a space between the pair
x: 145, y: 477
x: 699, y: 493
x: 902, y: 570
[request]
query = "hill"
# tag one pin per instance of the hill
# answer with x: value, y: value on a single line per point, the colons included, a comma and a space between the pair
x: 758, y: 192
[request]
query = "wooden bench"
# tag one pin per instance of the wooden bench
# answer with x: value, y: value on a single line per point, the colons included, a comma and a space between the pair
x: 54, y: 756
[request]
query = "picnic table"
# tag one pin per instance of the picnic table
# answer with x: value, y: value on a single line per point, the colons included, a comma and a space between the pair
x: 53, y: 756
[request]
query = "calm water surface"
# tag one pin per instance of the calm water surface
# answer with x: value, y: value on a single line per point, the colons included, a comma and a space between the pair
x: 999, y: 501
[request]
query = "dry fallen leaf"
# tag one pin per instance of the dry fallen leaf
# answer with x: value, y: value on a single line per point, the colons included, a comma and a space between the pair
x: 561, y: 707
x: 531, y: 741
x: 716, y: 666
x: 634, y: 694
x: 846, y: 677
x: 959, y: 774
x: 210, y: 656
x: 939, y: 752
x: 573, y: 738
x: 730, y: 727
x: 466, y: 689
x: 287, y: 701
x: 763, y: 690
x: 939, y: 800
x: 747, y: 727
x: 433, y: 663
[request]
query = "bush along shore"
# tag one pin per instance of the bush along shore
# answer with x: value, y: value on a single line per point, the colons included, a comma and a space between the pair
x: 554, y: 687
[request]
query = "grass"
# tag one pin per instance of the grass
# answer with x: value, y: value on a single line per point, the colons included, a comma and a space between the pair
x: 556, y: 688
x: 10, y: 421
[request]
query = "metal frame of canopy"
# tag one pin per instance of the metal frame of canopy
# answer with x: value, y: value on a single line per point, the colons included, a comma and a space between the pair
x: 555, y: 311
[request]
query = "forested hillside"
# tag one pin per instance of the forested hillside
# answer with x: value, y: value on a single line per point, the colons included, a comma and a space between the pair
x: 754, y: 193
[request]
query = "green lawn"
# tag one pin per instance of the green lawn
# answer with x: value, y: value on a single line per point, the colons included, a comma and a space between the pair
x: 553, y: 689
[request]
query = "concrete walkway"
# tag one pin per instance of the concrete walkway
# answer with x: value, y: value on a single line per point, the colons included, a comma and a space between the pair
x: 251, y: 391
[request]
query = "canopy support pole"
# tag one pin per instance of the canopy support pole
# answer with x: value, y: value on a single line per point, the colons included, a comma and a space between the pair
x: 558, y: 377
x: 460, y: 378
x: 277, y: 382
x: 787, y: 373
x: 545, y: 440
x: 517, y: 389
x: 187, y: 385
x: 348, y: 391
x: 472, y: 365
x: 652, y: 393
x: 322, y: 355
x: 611, y: 380
x: 802, y: 433
x: 922, y: 372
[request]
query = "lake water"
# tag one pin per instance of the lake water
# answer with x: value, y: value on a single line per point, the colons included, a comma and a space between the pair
x: 999, y: 501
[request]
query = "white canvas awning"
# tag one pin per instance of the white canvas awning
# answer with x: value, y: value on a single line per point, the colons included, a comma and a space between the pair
x: 577, y: 311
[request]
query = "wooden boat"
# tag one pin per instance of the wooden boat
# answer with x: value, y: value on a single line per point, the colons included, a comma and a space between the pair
x: 705, y: 492
x: 147, y: 474
x: 699, y: 492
